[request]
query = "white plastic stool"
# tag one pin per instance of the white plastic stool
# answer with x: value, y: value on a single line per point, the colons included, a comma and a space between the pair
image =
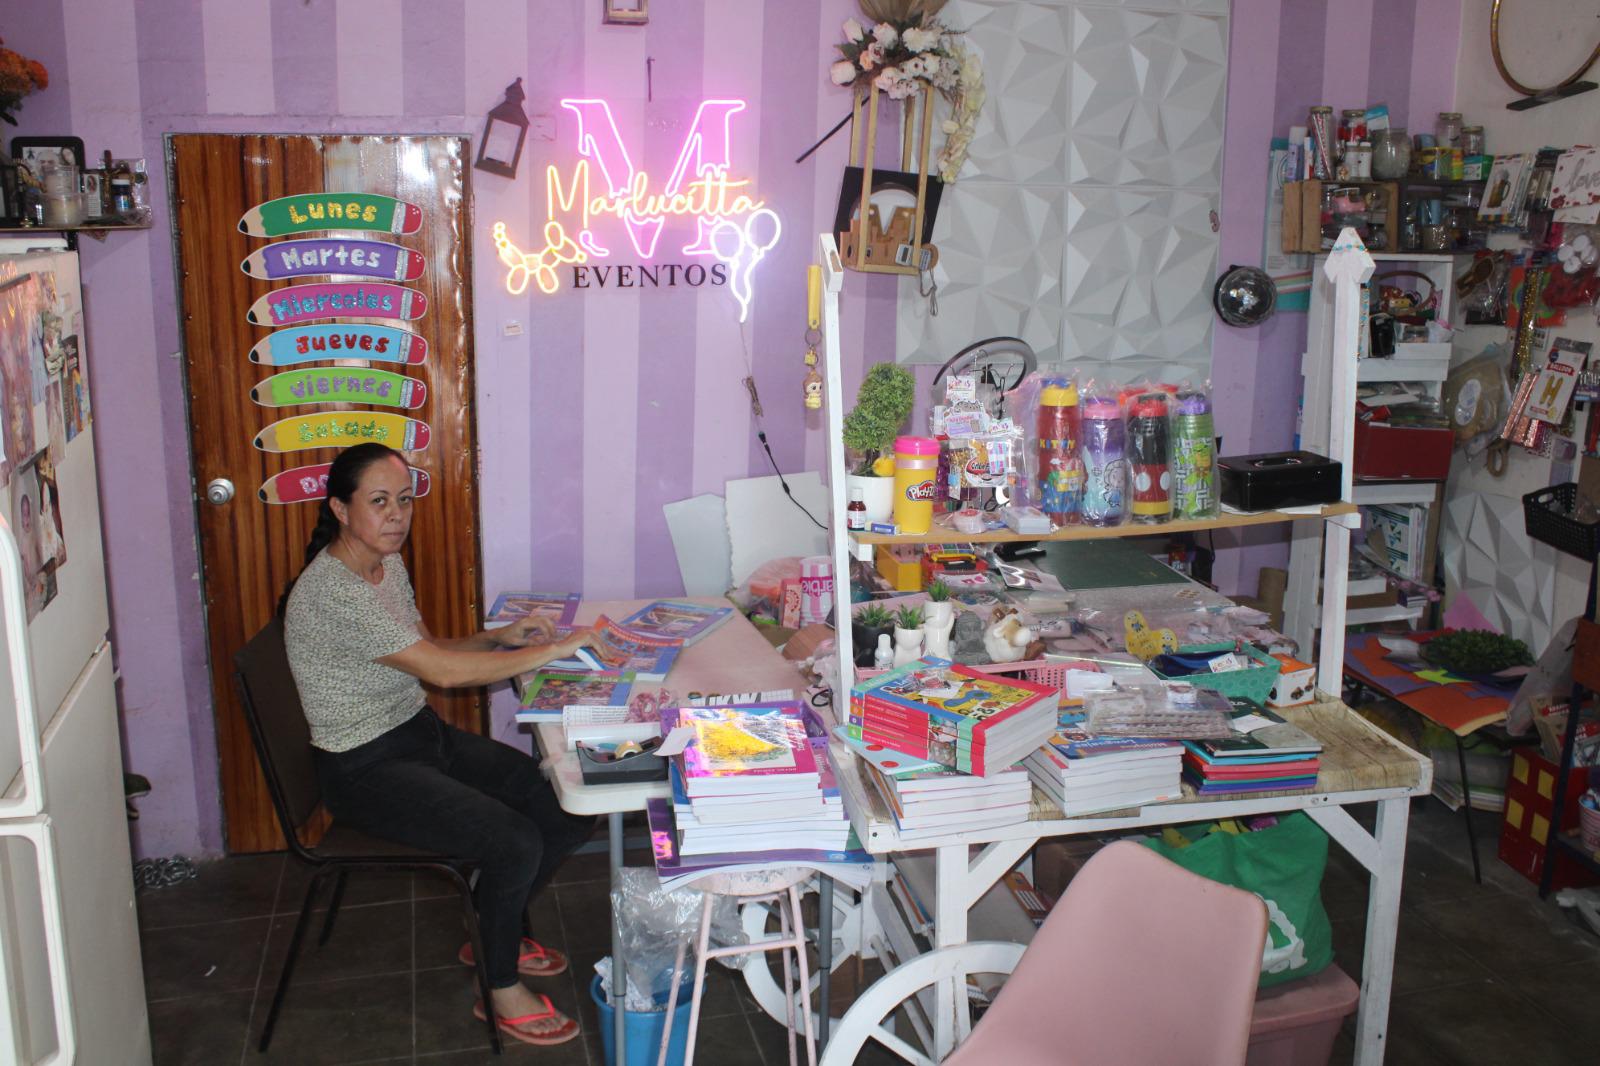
x: 777, y: 886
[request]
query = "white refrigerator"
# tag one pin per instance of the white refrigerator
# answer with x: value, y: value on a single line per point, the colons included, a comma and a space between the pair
x: 71, y: 984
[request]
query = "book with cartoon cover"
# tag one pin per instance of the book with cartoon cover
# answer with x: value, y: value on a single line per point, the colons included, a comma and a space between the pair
x: 676, y: 620
x: 551, y: 690
x: 560, y: 607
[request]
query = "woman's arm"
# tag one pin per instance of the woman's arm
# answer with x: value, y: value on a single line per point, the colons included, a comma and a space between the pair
x: 521, y: 633
x: 454, y: 667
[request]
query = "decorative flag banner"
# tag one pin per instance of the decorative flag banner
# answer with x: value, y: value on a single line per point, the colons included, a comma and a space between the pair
x: 340, y: 429
x: 303, y: 303
x: 340, y: 384
x: 334, y: 255
x: 305, y: 484
x: 310, y: 344
x: 331, y: 210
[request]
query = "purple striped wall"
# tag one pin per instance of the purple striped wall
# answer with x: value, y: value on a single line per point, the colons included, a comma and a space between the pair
x: 1284, y: 57
x: 608, y: 404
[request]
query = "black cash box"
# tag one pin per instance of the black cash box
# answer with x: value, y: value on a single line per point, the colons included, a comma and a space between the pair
x: 1270, y: 480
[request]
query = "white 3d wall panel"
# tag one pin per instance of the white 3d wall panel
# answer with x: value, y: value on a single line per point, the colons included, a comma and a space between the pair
x: 1082, y: 219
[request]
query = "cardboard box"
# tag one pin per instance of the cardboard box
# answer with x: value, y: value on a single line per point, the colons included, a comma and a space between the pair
x: 1530, y: 795
x: 1296, y: 684
x: 1400, y: 453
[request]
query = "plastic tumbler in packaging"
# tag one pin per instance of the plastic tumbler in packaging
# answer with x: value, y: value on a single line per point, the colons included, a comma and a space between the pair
x: 1194, y: 457
x: 1105, y: 462
x: 1060, y: 467
x: 1150, y: 445
x: 916, y: 462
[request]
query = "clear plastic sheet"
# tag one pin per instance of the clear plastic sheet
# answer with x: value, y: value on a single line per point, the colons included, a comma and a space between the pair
x: 654, y: 921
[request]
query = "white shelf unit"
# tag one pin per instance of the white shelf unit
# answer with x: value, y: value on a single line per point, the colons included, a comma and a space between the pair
x: 1351, y: 264
x: 1427, y: 364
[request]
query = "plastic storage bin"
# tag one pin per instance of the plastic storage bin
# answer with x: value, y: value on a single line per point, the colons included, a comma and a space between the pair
x: 643, y: 1030
x: 1295, y: 1024
x: 1556, y: 526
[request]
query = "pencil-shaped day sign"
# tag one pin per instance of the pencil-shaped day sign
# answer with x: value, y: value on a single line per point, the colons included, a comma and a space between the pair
x: 310, y: 344
x: 340, y: 384
x: 331, y: 210
x: 305, y: 303
x: 340, y: 429
x: 303, y: 484
x: 334, y: 255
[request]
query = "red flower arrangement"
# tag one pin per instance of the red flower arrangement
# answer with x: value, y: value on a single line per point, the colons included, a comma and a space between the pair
x: 18, y: 77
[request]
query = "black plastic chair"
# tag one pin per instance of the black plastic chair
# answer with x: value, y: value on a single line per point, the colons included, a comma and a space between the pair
x: 283, y: 744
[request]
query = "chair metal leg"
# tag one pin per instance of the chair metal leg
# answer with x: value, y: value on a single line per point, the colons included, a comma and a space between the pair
x: 333, y: 907
x: 476, y: 938
x: 701, y: 943
x: 805, y: 976
x: 288, y: 962
x: 1466, y: 808
x: 785, y: 934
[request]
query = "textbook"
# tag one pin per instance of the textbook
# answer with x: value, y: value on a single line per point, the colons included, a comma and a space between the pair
x: 676, y: 620
x: 560, y: 607
x: 746, y: 749
x: 646, y: 658
x: 850, y: 864
x: 550, y: 690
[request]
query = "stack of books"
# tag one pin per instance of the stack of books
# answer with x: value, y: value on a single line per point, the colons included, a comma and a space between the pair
x: 952, y: 715
x: 929, y: 800
x: 1264, y: 754
x: 751, y: 780
x: 1085, y: 774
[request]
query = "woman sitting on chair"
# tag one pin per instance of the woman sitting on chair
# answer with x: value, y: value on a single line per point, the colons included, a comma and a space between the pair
x: 388, y: 765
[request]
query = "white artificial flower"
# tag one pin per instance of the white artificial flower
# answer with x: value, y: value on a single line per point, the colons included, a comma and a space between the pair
x: 885, y: 35
x: 915, y: 67
x: 886, y: 80
x: 842, y: 72
x: 853, y: 30
x: 919, y: 39
x: 870, y: 57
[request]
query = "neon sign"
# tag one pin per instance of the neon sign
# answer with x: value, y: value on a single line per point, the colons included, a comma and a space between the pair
x: 731, y: 225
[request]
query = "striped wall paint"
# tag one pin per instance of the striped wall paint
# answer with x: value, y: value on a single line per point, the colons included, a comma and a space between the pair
x: 608, y: 404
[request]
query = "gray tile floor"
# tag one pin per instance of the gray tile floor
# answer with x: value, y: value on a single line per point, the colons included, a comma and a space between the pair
x: 1485, y: 973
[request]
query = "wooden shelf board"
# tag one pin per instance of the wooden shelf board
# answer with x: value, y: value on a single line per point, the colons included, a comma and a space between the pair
x: 945, y: 534
x: 85, y: 228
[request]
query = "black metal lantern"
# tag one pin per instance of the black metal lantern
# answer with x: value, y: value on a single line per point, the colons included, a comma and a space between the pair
x: 504, y: 130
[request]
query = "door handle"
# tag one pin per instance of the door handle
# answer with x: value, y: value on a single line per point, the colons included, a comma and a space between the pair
x: 219, y: 491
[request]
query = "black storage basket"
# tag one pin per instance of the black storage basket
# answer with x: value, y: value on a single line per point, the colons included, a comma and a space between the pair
x: 1560, y: 530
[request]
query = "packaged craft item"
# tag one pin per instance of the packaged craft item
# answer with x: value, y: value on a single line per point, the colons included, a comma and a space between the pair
x: 1105, y: 459
x: 1061, y: 474
x: 1172, y: 709
x: 916, y: 461
x: 1194, y: 456
x: 1150, y: 448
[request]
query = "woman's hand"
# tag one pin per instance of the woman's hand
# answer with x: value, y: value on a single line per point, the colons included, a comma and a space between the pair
x: 581, y: 638
x: 525, y: 632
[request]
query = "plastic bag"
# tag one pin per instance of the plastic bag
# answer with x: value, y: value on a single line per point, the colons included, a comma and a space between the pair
x: 654, y: 921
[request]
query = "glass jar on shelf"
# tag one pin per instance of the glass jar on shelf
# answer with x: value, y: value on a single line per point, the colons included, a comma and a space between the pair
x: 1472, y: 141
x: 1447, y: 130
x: 1391, y: 154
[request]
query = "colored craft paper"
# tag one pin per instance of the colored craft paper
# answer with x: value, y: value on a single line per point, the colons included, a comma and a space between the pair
x: 353, y: 340
x: 341, y: 429
x: 308, y: 212
x: 305, y: 303
x: 340, y: 384
x: 298, y: 259
x: 1441, y: 677
x: 305, y: 484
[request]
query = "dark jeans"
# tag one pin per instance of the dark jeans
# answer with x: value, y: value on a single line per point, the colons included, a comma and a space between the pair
x: 427, y: 784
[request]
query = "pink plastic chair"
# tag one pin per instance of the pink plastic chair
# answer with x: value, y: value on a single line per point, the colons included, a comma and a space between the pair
x: 1141, y: 962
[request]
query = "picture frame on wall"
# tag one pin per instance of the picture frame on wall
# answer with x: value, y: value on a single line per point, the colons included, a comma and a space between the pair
x: 31, y: 151
x: 627, y: 12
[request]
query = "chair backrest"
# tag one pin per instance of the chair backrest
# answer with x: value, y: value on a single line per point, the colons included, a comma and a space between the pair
x: 278, y: 727
x: 1141, y: 961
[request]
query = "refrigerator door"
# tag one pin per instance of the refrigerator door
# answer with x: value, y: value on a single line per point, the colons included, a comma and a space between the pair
x: 19, y: 732
x: 93, y: 877
x: 51, y: 472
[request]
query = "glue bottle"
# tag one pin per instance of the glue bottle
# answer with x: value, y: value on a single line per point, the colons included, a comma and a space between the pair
x: 883, y: 658
x: 1060, y: 467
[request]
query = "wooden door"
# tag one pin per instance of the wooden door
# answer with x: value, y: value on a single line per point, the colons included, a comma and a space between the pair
x: 249, y: 548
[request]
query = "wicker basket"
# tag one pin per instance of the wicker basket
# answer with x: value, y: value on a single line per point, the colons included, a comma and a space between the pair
x: 1252, y: 683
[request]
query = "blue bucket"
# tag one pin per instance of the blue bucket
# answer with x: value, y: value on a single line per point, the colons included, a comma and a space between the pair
x: 644, y: 1030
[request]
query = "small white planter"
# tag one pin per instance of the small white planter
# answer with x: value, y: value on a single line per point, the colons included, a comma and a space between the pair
x: 877, y: 493
x: 936, y: 639
x: 907, y: 645
x: 939, y: 613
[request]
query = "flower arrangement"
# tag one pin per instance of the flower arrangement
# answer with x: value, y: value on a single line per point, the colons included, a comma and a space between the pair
x: 909, y: 50
x: 18, y: 78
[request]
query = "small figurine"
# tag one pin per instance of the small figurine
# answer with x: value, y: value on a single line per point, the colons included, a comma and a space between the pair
x: 1007, y: 638
x: 813, y: 390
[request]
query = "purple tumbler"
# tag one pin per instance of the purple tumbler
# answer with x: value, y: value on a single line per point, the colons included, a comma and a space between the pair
x: 1105, y: 462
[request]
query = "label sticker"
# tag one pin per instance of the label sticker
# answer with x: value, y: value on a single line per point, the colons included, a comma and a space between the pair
x: 340, y: 384
x: 340, y: 429
x: 307, y: 484
x: 331, y: 210
x: 334, y: 255
x: 304, y: 303
x: 310, y: 344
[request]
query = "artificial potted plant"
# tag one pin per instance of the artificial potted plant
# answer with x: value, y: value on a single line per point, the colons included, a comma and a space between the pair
x: 869, y: 623
x: 907, y: 635
x: 882, y: 406
x: 938, y: 616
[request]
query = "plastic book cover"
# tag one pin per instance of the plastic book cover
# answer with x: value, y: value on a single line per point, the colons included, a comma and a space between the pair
x: 647, y: 658
x: 560, y: 607
x: 743, y: 741
x: 676, y: 620
x: 1075, y: 742
x: 553, y: 690
x: 970, y: 700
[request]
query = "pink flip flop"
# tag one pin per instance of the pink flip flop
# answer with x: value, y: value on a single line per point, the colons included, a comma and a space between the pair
x: 534, y: 960
x: 513, y: 1026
